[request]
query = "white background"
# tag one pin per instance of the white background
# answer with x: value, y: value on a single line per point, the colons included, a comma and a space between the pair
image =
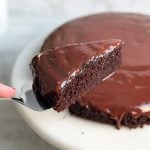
x: 27, y: 20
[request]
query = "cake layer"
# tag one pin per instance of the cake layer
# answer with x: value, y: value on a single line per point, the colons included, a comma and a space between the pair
x: 127, y: 93
x: 65, y: 73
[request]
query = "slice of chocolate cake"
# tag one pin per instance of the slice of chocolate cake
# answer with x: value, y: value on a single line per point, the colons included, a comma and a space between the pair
x: 63, y: 74
x: 123, y: 99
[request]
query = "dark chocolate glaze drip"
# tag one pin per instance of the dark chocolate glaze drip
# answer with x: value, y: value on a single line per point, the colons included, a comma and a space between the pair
x: 128, y: 91
x: 55, y: 68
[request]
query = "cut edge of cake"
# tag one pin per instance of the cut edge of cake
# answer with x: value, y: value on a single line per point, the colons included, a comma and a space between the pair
x: 86, y: 77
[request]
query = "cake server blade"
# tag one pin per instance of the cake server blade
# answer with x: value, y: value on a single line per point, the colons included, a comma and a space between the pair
x: 28, y: 99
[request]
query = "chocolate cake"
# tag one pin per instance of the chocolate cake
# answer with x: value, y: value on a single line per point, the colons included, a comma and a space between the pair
x: 123, y: 99
x: 63, y: 74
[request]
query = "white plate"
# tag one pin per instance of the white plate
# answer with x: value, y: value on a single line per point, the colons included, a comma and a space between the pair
x: 68, y: 132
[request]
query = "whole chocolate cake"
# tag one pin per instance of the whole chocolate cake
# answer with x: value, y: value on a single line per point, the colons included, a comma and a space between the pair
x: 64, y: 74
x: 123, y: 99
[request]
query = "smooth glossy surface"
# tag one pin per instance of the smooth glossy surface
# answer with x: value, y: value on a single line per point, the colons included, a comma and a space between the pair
x: 128, y: 91
x: 63, y: 74
x: 65, y: 131
x: 55, y: 68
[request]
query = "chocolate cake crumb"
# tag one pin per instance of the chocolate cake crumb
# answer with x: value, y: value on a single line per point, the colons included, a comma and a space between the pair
x: 62, y: 75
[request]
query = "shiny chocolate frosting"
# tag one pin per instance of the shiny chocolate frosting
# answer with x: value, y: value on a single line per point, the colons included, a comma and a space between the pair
x: 128, y: 91
x: 56, y: 67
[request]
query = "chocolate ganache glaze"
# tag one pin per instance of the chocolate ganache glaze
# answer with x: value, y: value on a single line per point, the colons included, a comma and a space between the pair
x: 67, y: 73
x: 128, y: 91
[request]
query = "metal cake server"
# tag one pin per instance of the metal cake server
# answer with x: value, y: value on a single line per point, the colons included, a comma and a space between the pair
x: 28, y: 99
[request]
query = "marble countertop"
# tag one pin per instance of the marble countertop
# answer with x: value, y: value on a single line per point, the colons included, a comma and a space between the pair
x: 14, y: 133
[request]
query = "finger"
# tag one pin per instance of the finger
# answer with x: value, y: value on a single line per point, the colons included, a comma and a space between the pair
x: 6, y: 91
